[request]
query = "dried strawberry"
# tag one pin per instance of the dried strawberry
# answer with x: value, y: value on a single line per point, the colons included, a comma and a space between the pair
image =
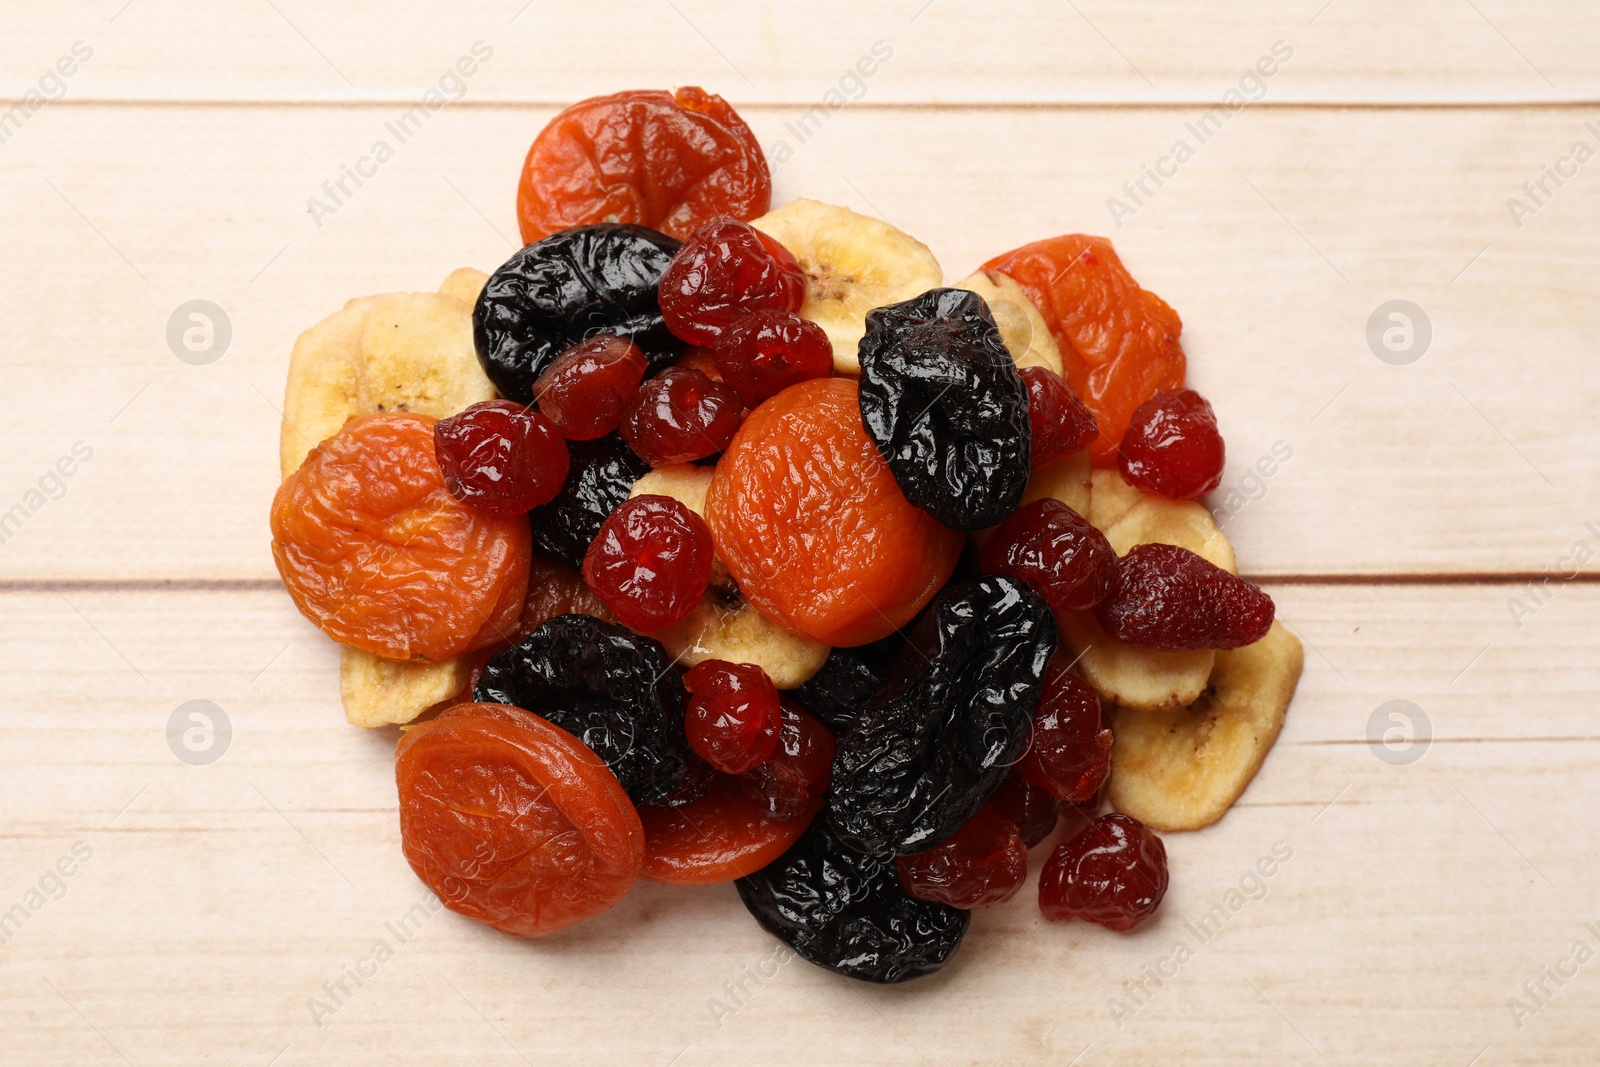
x: 1167, y: 598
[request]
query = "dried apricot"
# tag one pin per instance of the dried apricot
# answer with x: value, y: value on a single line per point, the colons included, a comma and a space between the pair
x: 670, y: 161
x: 1119, y: 343
x: 724, y: 835
x: 813, y: 526
x: 512, y: 821
x: 376, y: 552
x: 555, y: 589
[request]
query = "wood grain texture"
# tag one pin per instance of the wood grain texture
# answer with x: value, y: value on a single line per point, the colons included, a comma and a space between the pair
x: 1417, y: 899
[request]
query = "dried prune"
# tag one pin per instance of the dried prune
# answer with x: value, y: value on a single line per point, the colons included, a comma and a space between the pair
x: 565, y: 289
x: 617, y: 691
x: 952, y: 718
x: 848, y: 678
x: 603, y: 472
x: 1170, y: 599
x: 942, y: 400
x: 847, y: 911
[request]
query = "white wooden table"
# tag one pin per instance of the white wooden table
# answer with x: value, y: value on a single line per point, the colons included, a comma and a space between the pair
x: 207, y: 905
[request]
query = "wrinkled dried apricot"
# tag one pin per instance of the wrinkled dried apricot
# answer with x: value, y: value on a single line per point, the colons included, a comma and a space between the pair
x: 670, y: 161
x: 512, y: 821
x: 813, y: 526
x: 1119, y: 343
x: 724, y: 835
x: 376, y: 552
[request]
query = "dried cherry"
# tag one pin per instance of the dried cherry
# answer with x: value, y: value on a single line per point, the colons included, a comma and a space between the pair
x: 565, y: 289
x: 681, y: 415
x: 733, y: 717
x: 1173, y: 446
x: 792, y: 781
x: 984, y: 863
x: 763, y: 354
x: 650, y: 562
x: 501, y: 457
x: 1027, y: 807
x: 1113, y: 872
x: 847, y: 911
x: 942, y: 732
x: 512, y: 822
x: 1062, y: 423
x: 673, y: 161
x: 1058, y: 550
x: 724, y: 271
x: 942, y: 400
x: 374, y: 549
x: 1170, y: 599
x: 1070, y: 752
x: 717, y: 837
x: 602, y: 476
x: 617, y: 691
x: 587, y: 388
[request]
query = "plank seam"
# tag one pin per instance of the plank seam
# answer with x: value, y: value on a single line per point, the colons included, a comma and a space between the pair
x: 177, y: 103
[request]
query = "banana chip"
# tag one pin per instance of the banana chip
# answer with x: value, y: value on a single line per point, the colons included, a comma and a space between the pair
x: 383, y: 692
x: 1023, y: 329
x: 1181, y: 769
x: 464, y: 284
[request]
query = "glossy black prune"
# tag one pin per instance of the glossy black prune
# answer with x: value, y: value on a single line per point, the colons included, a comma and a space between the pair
x: 941, y: 733
x: 616, y: 691
x: 847, y: 911
x: 943, y: 401
x: 848, y: 678
x: 601, y: 477
x: 569, y: 287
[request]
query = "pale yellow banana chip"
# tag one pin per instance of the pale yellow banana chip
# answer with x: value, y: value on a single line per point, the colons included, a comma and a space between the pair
x: 464, y: 284
x: 853, y: 264
x: 1181, y: 769
x: 396, y: 352
x: 382, y: 692
x: 1110, y: 497
x: 1021, y: 326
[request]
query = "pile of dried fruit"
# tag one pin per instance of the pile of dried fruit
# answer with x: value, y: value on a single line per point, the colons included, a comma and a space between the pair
x: 657, y: 537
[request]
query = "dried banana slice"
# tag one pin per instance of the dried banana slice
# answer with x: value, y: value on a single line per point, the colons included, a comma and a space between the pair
x: 383, y: 692
x: 464, y: 284
x: 1110, y: 497
x: 725, y: 626
x: 1022, y: 328
x: 853, y: 264
x: 396, y: 352
x: 1181, y: 769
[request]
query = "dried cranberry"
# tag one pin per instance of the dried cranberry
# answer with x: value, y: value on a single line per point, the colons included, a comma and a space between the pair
x: 650, y: 562
x: 681, y: 415
x: 1167, y: 598
x: 501, y: 457
x: 1054, y: 548
x: 763, y: 354
x: 1172, y: 446
x: 985, y: 863
x: 1113, y: 872
x: 724, y: 271
x: 733, y: 716
x: 1027, y: 807
x: 1062, y: 423
x: 586, y: 390
x: 791, y: 782
x: 1070, y: 754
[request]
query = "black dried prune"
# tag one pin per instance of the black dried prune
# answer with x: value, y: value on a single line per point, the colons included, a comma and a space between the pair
x: 848, y: 678
x: 955, y: 714
x: 601, y: 477
x: 616, y: 691
x: 569, y: 287
x: 943, y: 401
x: 847, y: 911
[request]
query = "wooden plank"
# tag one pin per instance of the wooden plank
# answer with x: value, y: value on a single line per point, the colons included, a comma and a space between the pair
x: 217, y: 899
x: 1037, y: 51
x: 1276, y: 242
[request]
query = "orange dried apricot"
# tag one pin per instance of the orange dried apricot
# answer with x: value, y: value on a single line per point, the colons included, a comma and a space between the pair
x: 809, y: 519
x: 376, y: 552
x: 1119, y: 343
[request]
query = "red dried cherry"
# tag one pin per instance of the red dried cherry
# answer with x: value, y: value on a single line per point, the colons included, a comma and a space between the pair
x: 733, y: 716
x: 651, y: 562
x: 1070, y: 754
x: 589, y: 386
x: 985, y: 863
x: 1113, y: 872
x: 1051, y: 546
x: 500, y: 456
x: 1027, y: 807
x: 679, y: 416
x: 791, y: 782
x: 1167, y: 598
x: 1062, y: 423
x: 724, y: 271
x: 1173, y: 446
x: 764, y: 353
